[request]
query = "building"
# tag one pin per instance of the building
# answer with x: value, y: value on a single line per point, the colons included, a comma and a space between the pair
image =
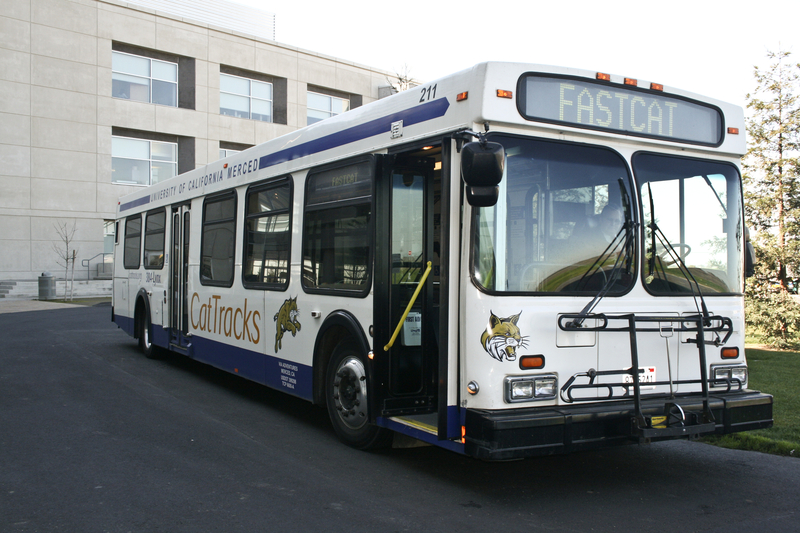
x: 99, y: 97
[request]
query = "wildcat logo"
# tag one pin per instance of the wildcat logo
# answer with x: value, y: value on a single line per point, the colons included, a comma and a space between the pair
x: 286, y: 320
x: 501, y: 338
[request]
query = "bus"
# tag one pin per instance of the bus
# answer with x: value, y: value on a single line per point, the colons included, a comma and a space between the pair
x: 511, y: 261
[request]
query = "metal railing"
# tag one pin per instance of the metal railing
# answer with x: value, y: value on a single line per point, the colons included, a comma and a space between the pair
x: 87, y: 262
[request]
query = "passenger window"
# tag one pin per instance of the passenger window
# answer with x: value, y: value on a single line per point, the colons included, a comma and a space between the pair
x: 268, y: 225
x: 154, y: 239
x: 133, y: 241
x: 336, y: 233
x: 218, y: 240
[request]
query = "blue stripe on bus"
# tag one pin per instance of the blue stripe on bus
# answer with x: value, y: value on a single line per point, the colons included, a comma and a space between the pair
x: 135, y: 203
x: 422, y: 113
x: 287, y: 376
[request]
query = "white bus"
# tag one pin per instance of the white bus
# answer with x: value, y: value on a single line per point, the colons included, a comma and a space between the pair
x: 511, y: 261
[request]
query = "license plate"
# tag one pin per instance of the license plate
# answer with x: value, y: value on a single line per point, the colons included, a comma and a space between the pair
x: 647, y: 374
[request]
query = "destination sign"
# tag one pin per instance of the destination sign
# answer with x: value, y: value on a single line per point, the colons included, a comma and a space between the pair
x: 598, y: 105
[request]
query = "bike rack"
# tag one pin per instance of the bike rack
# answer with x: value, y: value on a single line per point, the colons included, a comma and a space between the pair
x: 653, y: 427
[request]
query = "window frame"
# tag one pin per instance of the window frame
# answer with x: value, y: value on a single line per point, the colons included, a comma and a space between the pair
x: 273, y: 183
x: 630, y: 183
x: 127, y: 265
x: 330, y: 96
x: 640, y: 181
x: 149, y: 233
x: 332, y: 205
x: 150, y: 78
x: 150, y: 160
x: 220, y: 197
x: 250, y: 98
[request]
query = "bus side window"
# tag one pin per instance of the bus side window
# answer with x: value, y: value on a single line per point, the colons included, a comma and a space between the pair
x: 267, y: 235
x: 133, y: 241
x: 154, y: 239
x: 218, y: 240
x: 336, y: 229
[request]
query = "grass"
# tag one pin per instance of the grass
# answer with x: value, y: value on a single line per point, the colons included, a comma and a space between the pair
x: 774, y: 372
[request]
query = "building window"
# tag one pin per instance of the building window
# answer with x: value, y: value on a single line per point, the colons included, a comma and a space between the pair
x: 133, y: 241
x: 218, y: 239
x: 245, y: 98
x: 144, y: 79
x: 141, y: 161
x: 267, y: 235
x: 322, y: 106
x: 154, y: 239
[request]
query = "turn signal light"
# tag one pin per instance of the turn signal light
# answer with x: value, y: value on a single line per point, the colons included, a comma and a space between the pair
x: 460, y: 97
x: 730, y: 353
x: 531, y: 362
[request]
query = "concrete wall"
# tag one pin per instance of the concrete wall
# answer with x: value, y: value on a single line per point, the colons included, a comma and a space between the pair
x: 57, y: 113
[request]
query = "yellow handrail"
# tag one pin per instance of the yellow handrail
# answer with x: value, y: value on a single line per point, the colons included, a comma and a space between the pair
x: 408, y: 309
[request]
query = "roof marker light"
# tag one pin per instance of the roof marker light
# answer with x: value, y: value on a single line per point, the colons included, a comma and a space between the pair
x: 462, y: 96
x: 657, y: 87
x: 631, y: 81
x: 603, y: 76
x: 501, y: 93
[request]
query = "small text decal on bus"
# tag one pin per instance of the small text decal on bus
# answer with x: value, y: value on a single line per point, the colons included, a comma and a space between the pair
x: 217, y: 317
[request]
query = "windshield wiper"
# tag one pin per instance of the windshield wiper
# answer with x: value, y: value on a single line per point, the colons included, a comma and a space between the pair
x: 628, y: 244
x: 656, y: 233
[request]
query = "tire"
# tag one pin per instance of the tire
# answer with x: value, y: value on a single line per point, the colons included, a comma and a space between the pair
x: 346, y: 397
x: 150, y: 350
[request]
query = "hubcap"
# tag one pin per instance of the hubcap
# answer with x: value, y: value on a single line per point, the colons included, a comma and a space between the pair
x: 146, y: 336
x: 350, y: 392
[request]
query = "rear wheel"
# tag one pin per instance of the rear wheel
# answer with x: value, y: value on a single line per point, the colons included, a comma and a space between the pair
x: 145, y: 342
x: 346, y: 397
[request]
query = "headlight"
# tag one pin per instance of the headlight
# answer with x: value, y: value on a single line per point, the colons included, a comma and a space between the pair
x: 732, y: 372
x: 530, y: 388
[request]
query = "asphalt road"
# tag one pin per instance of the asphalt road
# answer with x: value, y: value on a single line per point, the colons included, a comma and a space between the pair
x: 94, y: 437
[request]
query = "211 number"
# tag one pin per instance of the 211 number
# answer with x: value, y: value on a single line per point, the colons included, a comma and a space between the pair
x: 428, y: 93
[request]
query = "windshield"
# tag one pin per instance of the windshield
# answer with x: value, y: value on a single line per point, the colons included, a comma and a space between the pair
x: 558, y: 226
x: 696, y: 206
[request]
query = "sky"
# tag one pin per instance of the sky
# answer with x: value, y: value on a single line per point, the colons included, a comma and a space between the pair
x: 705, y: 46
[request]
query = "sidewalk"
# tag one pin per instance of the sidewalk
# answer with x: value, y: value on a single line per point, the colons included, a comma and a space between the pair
x: 23, y: 306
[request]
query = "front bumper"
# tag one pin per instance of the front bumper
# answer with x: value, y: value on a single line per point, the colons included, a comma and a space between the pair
x: 518, y: 433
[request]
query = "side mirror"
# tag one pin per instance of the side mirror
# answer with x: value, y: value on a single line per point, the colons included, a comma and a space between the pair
x: 482, y: 166
x: 749, y: 255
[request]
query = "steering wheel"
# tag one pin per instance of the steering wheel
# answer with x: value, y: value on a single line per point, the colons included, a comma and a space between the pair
x: 682, y: 248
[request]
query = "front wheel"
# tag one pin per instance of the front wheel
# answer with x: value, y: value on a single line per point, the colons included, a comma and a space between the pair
x: 346, y: 398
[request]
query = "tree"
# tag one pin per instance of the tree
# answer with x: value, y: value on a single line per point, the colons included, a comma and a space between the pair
x: 402, y: 80
x: 772, y: 190
x: 66, y: 256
